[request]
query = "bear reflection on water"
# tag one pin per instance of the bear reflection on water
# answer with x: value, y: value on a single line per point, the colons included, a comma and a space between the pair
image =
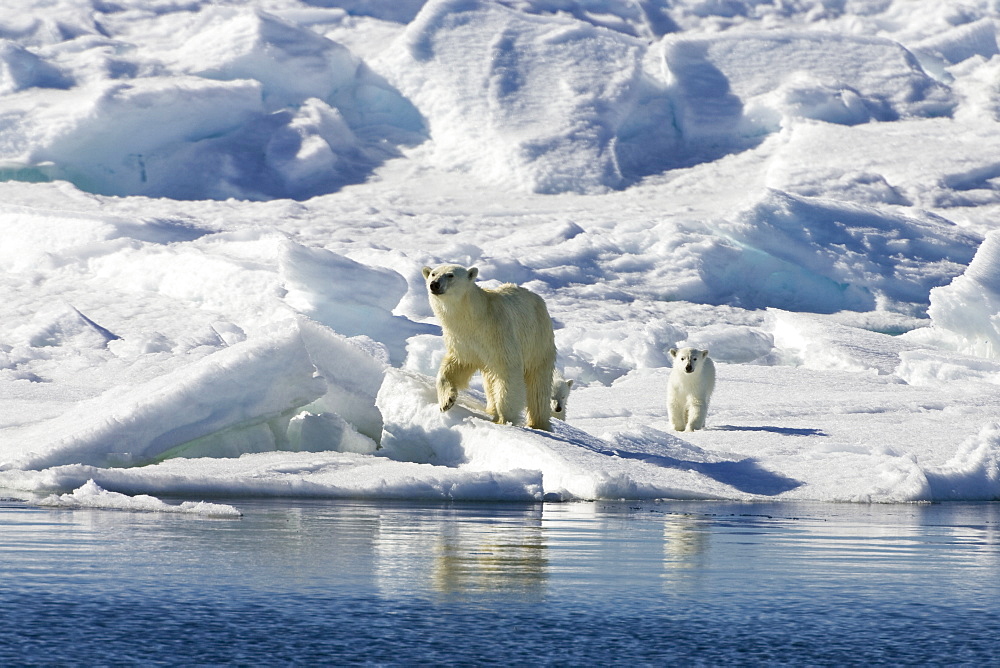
x: 494, y: 558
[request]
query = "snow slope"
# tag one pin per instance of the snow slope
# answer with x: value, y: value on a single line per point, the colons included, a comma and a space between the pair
x: 214, y: 217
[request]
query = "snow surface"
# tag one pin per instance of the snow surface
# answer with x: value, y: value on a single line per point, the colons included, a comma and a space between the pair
x: 91, y: 495
x: 214, y: 216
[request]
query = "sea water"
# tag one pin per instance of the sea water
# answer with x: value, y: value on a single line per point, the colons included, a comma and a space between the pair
x: 599, y: 583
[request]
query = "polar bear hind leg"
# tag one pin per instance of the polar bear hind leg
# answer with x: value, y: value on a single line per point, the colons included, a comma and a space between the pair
x: 506, y: 393
x: 538, y: 382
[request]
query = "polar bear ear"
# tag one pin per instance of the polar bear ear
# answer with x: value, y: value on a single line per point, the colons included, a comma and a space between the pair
x: 569, y: 383
x: 704, y: 353
x: 473, y: 272
x: 426, y: 271
x: 673, y: 353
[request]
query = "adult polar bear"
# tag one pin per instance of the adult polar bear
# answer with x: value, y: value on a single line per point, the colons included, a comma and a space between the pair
x: 505, y: 333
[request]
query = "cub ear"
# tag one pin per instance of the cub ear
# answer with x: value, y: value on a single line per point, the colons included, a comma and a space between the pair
x: 673, y: 353
x: 426, y: 271
x: 704, y: 353
x: 569, y: 383
x: 473, y: 272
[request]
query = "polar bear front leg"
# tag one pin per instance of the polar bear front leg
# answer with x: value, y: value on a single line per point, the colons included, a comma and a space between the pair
x: 494, y: 389
x: 696, y: 412
x: 676, y: 410
x: 452, y: 376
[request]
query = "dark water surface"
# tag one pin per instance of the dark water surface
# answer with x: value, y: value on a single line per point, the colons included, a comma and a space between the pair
x: 669, y: 583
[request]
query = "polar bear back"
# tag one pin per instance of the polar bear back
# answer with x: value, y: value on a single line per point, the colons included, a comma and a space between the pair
x: 525, y: 332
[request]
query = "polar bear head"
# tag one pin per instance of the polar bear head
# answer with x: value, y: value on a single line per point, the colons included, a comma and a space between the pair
x: 449, y: 278
x: 560, y: 393
x: 688, y: 359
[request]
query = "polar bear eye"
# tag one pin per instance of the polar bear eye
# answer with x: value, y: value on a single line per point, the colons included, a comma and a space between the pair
x: 449, y: 275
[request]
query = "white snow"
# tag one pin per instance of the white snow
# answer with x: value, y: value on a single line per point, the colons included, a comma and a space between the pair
x: 91, y: 495
x: 966, y: 312
x: 214, y: 216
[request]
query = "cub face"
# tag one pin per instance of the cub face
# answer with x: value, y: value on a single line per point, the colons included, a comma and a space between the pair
x: 448, y: 278
x: 688, y: 359
x: 560, y: 393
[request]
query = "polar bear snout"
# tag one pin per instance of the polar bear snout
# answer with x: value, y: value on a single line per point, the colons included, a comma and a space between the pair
x: 436, y: 287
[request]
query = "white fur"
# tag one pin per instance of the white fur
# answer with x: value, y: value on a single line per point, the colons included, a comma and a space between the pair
x: 505, y: 333
x: 689, y: 388
x: 560, y: 395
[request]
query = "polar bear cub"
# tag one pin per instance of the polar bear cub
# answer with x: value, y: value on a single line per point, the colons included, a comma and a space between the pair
x: 505, y: 333
x: 689, y: 388
x: 560, y: 395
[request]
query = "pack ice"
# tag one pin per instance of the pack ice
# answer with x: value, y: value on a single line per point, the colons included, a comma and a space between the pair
x: 214, y: 216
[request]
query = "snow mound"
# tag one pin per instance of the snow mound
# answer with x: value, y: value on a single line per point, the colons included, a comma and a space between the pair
x: 813, y: 254
x: 319, y: 393
x: 978, y: 38
x: 349, y: 297
x: 352, y: 369
x: 815, y: 343
x: 62, y: 325
x: 290, y: 474
x: 933, y: 368
x: 965, y: 314
x: 248, y: 106
x: 157, y: 135
x: 40, y: 238
x: 291, y: 62
x: 91, y: 495
x: 748, y: 83
x: 550, y: 104
x: 21, y: 69
x: 974, y: 471
x: 603, y: 352
x: 216, y: 101
x: 213, y: 405
x: 572, y: 463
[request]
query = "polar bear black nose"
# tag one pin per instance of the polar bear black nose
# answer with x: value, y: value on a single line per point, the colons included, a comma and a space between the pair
x: 689, y: 368
x: 436, y: 287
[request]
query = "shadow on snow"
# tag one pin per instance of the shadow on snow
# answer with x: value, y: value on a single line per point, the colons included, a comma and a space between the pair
x: 746, y: 475
x: 787, y: 431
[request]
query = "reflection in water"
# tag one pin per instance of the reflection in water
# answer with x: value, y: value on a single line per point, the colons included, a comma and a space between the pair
x: 685, y: 541
x: 669, y: 583
x: 500, y: 551
x: 491, y: 557
x: 975, y: 527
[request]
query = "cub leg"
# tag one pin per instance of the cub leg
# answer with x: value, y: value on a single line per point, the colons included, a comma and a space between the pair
x: 696, y: 414
x: 677, y: 411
